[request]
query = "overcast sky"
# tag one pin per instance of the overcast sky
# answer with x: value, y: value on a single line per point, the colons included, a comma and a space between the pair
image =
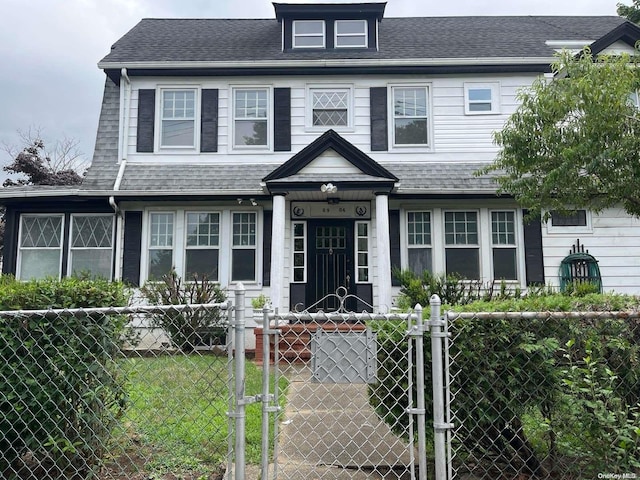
x: 49, y: 49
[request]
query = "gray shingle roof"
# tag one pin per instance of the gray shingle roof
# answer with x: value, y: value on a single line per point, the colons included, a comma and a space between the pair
x: 211, y: 40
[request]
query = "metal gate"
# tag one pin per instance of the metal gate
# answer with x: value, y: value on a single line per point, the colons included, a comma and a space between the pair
x: 347, y: 401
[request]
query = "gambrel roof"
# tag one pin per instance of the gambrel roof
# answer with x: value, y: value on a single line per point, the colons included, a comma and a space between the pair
x: 236, y: 40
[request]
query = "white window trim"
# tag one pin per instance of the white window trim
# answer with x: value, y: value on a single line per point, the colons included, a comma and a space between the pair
x: 225, y: 243
x: 20, y: 249
x: 195, y: 149
x: 294, y: 251
x: 428, y: 147
x: 494, y: 87
x: 368, y: 267
x: 257, y: 259
x: 560, y: 229
x: 515, y: 245
x: 295, y: 35
x: 71, y: 248
x: 232, y: 120
x: 336, y: 35
x: 478, y: 245
x: 310, y: 89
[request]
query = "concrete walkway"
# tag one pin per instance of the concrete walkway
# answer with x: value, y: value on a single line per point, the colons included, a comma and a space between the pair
x: 329, y: 431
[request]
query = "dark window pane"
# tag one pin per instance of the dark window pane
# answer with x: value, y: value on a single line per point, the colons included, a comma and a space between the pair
x: 202, y: 262
x: 575, y: 219
x: 419, y: 260
x: 160, y: 263
x: 411, y: 131
x: 243, y: 265
x: 504, y: 264
x: 463, y: 261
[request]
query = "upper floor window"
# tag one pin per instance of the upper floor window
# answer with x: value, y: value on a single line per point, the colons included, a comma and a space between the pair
x: 251, y: 117
x: 410, y: 116
x: 308, y: 34
x: 351, y: 33
x: 178, y: 118
x: 481, y: 98
x: 329, y: 107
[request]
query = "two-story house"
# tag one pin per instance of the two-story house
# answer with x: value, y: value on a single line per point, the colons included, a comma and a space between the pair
x: 314, y: 150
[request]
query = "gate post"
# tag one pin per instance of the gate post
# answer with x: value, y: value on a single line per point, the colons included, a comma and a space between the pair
x: 437, y: 372
x: 421, y: 410
x: 239, y: 414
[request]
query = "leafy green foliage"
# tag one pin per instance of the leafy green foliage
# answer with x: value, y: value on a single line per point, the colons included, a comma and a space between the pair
x: 574, y: 142
x: 188, y: 328
x: 631, y: 12
x: 62, y: 392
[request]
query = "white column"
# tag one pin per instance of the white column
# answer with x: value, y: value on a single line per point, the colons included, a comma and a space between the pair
x: 277, y: 249
x: 384, y: 252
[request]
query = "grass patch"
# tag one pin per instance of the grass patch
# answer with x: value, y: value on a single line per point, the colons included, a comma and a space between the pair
x: 177, y: 414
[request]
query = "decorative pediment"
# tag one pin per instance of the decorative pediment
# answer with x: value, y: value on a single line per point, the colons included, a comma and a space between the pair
x: 621, y: 39
x: 331, y: 154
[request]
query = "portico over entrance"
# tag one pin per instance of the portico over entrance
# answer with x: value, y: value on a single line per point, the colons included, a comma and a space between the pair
x: 330, y: 228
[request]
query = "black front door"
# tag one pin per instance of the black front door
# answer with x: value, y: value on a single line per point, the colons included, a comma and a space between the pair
x: 330, y: 247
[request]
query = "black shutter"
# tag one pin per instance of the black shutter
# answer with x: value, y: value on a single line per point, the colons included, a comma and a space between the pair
x: 533, y: 252
x: 282, y: 120
x: 146, y: 120
x: 378, y: 104
x: 394, y: 244
x: 267, y: 217
x: 209, y: 121
x: 132, y: 248
x: 10, y: 247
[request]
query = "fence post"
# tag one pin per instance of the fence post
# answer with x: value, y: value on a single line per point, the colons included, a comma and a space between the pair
x: 437, y: 373
x: 266, y: 328
x: 240, y: 415
x: 421, y: 410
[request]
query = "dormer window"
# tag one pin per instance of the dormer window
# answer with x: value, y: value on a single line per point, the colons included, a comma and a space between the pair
x: 351, y: 34
x: 308, y: 34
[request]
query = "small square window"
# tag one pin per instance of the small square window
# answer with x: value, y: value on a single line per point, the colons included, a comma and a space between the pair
x: 308, y: 34
x: 481, y: 98
x: 351, y: 34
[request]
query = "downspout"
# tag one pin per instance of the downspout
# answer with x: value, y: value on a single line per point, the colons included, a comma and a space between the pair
x: 123, y: 165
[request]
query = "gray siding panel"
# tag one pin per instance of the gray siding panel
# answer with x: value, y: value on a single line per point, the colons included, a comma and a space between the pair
x: 209, y: 122
x: 378, y: 103
x: 146, y: 120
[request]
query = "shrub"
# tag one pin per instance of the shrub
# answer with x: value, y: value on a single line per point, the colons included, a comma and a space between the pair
x: 188, y: 328
x: 61, y: 389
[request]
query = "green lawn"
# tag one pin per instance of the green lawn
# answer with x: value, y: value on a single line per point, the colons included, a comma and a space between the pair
x: 177, y: 419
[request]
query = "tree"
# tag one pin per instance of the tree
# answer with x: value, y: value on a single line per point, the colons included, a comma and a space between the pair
x: 59, y: 166
x: 574, y: 142
x: 40, y: 166
x: 631, y: 12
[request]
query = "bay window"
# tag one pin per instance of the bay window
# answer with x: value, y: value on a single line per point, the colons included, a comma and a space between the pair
x: 40, y: 246
x: 91, y: 245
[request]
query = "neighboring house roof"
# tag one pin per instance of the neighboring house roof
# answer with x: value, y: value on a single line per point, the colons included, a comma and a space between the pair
x: 220, y: 40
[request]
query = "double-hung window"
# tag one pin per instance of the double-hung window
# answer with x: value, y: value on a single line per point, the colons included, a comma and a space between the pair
x: 251, y: 114
x: 40, y: 246
x: 350, y: 33
x: 161, y: 240
x: 308, y: 34
x: 462, y: 249
x: 244, y: 246
x: 178, y: 118
x: 330, y: 107
x: 202, y: 248
x: 503, y: 243
x: 481, y: 98
x: 91, y: 245
x: 419, y: 241
x: 410, y: 116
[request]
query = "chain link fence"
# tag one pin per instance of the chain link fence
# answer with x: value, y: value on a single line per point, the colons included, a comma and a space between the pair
x: 353, y: 409
x: 543, y: 395
x: 116, y: 393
